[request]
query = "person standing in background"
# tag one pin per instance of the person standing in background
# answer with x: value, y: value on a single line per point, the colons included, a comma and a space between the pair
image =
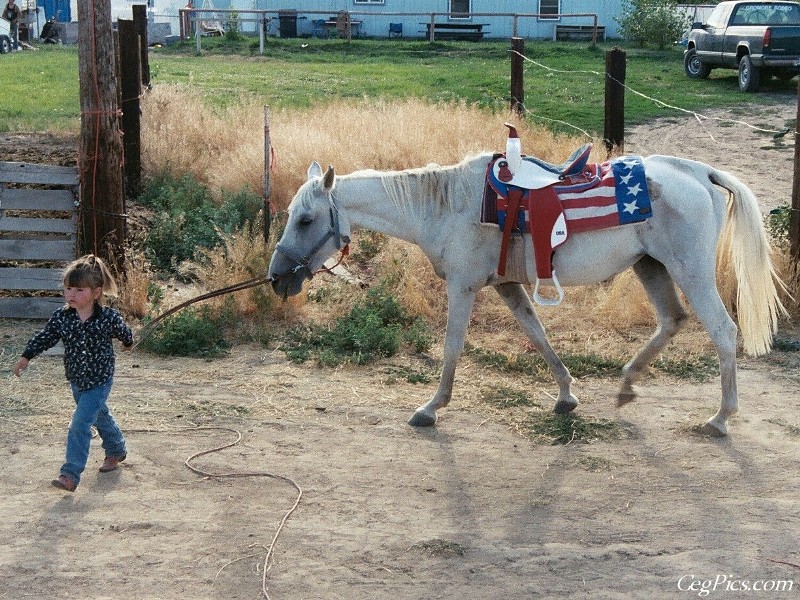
x: 11, y: 14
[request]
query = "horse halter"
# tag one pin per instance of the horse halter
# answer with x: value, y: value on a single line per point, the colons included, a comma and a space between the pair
x: 303, y: 261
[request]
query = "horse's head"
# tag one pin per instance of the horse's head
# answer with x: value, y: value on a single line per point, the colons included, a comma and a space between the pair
x: 314, y: 231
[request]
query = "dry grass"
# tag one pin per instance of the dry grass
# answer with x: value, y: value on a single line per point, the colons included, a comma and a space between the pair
x: 225, y: 150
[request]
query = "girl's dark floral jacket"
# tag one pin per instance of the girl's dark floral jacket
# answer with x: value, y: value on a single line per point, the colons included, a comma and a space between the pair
x: 88, y: 352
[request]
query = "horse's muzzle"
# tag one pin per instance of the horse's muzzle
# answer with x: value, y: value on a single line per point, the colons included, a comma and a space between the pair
x: 290, y: 283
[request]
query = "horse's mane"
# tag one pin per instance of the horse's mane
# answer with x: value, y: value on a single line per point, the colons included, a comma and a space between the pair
x: 443, y: 189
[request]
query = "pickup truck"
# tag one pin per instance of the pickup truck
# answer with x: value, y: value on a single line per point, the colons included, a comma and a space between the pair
x: 759, y: 39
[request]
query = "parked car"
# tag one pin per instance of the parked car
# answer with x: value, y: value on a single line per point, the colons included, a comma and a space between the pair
x: 760, y: 39
x: 5, y: 36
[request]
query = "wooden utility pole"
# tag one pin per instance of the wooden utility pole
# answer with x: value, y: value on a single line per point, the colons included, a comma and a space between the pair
x: 517, y: 75
x: 614, y: 130
x: 100, y: 158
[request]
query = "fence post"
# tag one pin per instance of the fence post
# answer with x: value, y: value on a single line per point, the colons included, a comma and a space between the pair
x: 614, y: 130
x: 517, y: 75
x: 140, y: 25
x: 267, y: 166
x: 794, y: 215
x: 130, y: 83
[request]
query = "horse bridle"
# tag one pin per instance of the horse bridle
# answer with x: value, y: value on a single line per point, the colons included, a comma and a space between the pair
x: 303, y: 261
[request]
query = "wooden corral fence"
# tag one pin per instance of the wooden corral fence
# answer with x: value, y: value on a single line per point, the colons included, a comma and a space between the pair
x: 38, y: 236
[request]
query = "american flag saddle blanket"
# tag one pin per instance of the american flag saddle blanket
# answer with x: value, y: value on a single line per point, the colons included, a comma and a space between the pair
x: 595, y: 196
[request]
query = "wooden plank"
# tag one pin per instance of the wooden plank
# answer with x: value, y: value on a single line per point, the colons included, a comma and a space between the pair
x: 29, y: 224
x: 18, y: 278
x: 27, y: 199
x: 15, y: 172
x: 38, y: 250
x: 29, y: 308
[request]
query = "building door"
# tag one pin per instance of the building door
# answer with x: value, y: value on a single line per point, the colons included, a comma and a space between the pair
x: 58, y: 10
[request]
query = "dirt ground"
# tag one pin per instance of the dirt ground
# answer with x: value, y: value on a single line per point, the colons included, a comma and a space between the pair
x: 471, y: 508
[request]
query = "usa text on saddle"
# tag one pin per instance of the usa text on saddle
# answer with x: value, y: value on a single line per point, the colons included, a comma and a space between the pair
x: 557, y: 200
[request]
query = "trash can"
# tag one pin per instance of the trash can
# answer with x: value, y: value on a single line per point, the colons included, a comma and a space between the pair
x: 287, y: 20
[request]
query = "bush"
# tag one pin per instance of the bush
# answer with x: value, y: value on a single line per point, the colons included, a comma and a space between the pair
x: 658, y: 22
x: 190, y: 332
x: 777, y: 222
x: 188, y: 219
x: 375, y: 327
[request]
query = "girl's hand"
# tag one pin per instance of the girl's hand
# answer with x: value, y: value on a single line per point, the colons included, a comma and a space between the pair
x: 21, y: 365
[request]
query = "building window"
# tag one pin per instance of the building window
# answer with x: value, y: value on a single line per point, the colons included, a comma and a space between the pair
x: 460, y: 9
x: 549, y: 7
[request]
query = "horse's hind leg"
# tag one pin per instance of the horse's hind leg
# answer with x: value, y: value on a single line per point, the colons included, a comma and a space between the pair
x: 515, y: 297
x: 702, y: 294
x: 670, y: 314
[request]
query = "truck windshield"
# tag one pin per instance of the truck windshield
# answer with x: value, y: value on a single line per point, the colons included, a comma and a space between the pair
x: 766, y: 14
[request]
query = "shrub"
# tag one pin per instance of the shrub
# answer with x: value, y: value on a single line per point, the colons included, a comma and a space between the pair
x: 187, y: 219
x: 777, y: 222
x: 374, y: 328
x: 190, y: 332
x: 656, y: 22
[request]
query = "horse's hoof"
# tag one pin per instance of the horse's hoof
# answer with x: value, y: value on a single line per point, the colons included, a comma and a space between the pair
x: 563, y: 407
x: 422, y: 419
x: 712, y: 429
x: 624, y: 398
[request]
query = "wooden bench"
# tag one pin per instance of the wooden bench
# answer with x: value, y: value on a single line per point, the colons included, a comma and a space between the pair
x: 38, y: 224
x: 455, y: 31
x: 572, y: 33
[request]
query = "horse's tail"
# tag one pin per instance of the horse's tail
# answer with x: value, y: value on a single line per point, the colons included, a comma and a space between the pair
x: 758, y: 305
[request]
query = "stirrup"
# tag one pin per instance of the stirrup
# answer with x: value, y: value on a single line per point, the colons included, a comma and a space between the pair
x: 541, y: 300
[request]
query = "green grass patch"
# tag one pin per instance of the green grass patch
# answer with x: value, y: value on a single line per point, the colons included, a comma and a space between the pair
x: 408, y: 374
x: 579, y: 365
x: 557, y: 429
x: 784, y: 424
x: 565, y: 83
x: 594, y: 464
x: 503, y: 397
x: 695, y: 368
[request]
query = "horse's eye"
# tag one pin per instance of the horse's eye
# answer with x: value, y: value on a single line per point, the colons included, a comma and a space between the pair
x: 305, y: 221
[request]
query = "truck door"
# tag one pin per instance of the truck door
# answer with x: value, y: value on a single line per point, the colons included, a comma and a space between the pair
x: 712, y: 45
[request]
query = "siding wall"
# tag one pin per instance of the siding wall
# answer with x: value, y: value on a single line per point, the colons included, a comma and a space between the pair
x: 378, y: 25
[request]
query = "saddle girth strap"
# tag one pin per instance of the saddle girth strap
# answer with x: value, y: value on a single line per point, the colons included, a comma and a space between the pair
x: 514, y: 200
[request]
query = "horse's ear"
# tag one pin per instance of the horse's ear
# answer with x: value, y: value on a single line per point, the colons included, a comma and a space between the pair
x: 327, y: 183
x: 314, y: 170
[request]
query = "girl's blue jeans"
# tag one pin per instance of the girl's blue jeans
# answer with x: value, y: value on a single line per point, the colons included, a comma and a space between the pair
x: 91, y: 409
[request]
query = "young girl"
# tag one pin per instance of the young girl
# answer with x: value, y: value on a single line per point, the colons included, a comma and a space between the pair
x: 86, y: 327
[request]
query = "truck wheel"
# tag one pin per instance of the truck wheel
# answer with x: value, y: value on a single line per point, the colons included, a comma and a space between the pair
x: 749, y: 76
x: 694, y: 67
x: 5, y: 44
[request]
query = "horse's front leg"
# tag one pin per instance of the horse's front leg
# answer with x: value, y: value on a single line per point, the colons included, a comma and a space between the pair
x: 459, y: 307
x: 517, y: 299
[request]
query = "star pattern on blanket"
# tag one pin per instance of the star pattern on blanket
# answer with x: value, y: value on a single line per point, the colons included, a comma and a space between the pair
x: 633, y: 201
x: 630, y: 207
x: 634, y: 189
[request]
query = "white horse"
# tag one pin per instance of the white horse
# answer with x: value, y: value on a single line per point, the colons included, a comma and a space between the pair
x: 438, y: 209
